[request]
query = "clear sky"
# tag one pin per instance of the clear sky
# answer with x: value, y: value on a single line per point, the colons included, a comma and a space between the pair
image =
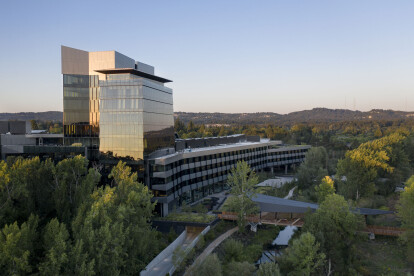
x: 223, y: 56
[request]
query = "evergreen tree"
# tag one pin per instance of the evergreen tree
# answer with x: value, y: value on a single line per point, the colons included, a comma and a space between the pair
x: 190, y: 127
x: 178, y: 125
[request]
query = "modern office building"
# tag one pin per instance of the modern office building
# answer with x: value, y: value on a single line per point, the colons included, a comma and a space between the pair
x: 199, y: 167
x: 119, y: 109
x: 116, y: 104
x: 18, y: 139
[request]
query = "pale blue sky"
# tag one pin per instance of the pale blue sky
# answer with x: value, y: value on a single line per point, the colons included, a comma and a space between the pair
x: 223, y: 56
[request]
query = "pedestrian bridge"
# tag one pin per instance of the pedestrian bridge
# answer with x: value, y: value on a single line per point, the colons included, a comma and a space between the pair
x: 286, y: 212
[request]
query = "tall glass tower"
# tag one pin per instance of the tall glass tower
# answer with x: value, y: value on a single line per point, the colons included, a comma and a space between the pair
x: 115, y: 105
x: 136, y: 114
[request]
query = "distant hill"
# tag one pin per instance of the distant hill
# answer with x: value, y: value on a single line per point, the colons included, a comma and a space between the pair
x: 315, y: 115
x: 26, y: 116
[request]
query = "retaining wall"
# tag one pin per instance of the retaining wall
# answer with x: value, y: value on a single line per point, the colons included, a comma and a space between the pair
x: 165, y: 253
x: 191, y: 246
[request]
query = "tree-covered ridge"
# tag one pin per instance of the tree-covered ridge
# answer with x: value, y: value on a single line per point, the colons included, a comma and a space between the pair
x: 55, y: 220
x: 337, y: 138
x: 304, y: 116
x: 315, y: 115
x: 54, y: 116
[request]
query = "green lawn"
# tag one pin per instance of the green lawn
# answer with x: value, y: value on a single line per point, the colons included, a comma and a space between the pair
x: 189, y: 217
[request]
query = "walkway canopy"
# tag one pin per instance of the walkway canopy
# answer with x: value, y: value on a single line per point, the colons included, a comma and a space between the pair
x: 274, y: 204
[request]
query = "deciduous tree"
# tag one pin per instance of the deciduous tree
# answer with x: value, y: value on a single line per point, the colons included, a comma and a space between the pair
x: 325, y: 188
x: 114, y: 226
x: 57, y: 247
x: 72, y: 185
x: 242, y: 180
x: 405, y: 209
x: 268, y: 269
x: 17, y: 247
x: 303, y: 257
x: 357, y: 172
x: 314, y: 168
x: 210, y: 267
x: 334, y: 227
x: 239, y: 269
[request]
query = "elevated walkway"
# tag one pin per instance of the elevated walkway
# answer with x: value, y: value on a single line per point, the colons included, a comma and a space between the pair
x: 384, y: 230
x: 265, y: 219
x: 286, y: 212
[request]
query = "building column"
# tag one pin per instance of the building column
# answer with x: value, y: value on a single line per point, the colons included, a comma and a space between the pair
x: 272, y: 169
x: 164, y: 209
x: 286, y: 169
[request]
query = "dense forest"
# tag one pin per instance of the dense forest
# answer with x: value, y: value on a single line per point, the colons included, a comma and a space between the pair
x: 55, y: 220
x: 316, y: 115
x: 53, y: 116
x: 351, y: 164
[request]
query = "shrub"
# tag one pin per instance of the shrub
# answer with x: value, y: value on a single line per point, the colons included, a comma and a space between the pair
x: 239, y: 269
x: 201, y: 242
x: 253, y: 252
x: 172, y: 235
x: 190, y: 217
x: 210, y: 267
x: 233, y: 250
x: 200, y: 208
x: 268, y: 269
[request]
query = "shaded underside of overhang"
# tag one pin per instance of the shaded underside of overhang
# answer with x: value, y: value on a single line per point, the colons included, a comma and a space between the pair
x: 280, y: 205
x: 134, y: 72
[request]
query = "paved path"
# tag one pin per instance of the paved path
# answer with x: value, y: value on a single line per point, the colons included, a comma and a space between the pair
x: 290, y: 194
x: 163, y: 267
x: 212, y: 246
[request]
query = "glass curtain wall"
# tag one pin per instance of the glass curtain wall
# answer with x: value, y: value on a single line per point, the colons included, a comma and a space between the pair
x: 136, y: 116
x: 81, y: 110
